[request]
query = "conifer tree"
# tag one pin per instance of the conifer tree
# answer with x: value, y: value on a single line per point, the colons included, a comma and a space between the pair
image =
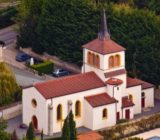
x: 72, y: 124
x: 30, y: 132
x: 14, y: 135
x: 66, y: 130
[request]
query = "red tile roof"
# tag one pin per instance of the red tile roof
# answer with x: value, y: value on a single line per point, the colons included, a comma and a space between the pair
x: 103, y: 46
x: 135, y: 82
x: 114, y: 81
x: 90, y: 136
x: 126, y: 102
x: 69, y: 85
x: 115, y: 73
x: 100, y: 100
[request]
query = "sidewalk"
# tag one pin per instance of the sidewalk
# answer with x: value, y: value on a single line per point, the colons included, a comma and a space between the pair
x: 149, y: 134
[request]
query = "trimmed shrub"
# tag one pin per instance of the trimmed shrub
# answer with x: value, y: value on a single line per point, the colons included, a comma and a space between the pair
x: 122, y: 121
x: 45, y: 67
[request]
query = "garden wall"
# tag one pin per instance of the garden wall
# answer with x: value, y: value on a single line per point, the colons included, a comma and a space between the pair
x: 11, y: 111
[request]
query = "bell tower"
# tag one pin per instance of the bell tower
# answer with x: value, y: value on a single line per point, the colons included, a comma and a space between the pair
x: 103, y: 55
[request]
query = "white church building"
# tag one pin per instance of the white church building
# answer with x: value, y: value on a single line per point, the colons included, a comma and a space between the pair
x: 99, y: 97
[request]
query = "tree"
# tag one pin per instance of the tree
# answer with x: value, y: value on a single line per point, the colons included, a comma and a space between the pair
x: 42, y: 135
x: 3, y: 124
x: 8, y: 85
x: 14, y: 135
x: 66, y: 130
x: 72, y: 124
x: 30, y: 132
x: 69, y: 131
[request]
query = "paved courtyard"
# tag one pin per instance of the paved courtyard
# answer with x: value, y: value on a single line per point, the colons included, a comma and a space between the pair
x: 149, y: 111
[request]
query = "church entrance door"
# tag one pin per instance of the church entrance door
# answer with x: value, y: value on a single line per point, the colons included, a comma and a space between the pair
x: 127, y: 114
x: 35, y: 122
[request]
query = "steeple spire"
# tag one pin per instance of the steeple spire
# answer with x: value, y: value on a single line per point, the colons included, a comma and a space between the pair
x: 103, y: 33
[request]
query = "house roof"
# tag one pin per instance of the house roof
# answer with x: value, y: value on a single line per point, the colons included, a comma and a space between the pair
x: 126, y: 102
x: 115, y: 73
x: 100, y: 100
x: 69, y: 85
x: 90, y: 136
x: 135, y: 82
x: 114, y: 81
x: 103, y: 46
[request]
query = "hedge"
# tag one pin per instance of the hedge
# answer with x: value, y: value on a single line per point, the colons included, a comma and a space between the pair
x: 45, y: 67
x: 6, y: 17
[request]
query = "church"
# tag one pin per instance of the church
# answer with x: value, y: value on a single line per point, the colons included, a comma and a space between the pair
x: 99, y: 97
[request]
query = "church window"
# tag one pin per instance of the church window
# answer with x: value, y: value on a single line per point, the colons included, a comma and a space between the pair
x: 111, y: 62
x: 34, y: 103
x: 104, y: 114
x: 78, y: 109
x: 89, y: 57
x: 59, y: 112
x: 131, y: 97
x: 93, y: 59
x: 97, y: 61
x: 143, y: 94
x: 117, y: 60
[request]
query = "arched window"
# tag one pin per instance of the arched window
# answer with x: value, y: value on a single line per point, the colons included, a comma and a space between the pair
x: 117, y: 61
x: 34, y: 103
x: 92, y: 59
x: 131, y: 97
x: 104, y: 113
x: 59, y: 112
x: 143, y: 94
x: 78, y: 109
x: 111, y: 62
x: 89, y: 57
x: 97, y: 61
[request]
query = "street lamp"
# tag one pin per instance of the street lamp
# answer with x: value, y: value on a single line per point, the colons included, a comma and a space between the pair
x: 2, y: 44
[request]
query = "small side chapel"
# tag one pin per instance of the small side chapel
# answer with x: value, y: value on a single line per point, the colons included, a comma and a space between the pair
x: 99, y: 97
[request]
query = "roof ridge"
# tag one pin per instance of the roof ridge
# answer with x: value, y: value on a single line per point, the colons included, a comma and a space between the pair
x: 62, y: 78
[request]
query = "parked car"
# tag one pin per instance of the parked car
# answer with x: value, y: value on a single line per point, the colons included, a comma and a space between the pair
x: 60, y: 72
x: 21, y: 57
x: 35, y: 59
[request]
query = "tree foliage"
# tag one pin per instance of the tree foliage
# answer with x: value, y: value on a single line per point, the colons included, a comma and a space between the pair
x: 63, y: 26
x: 69, y: 128
x: 9, y: 89
x: 30, y: 132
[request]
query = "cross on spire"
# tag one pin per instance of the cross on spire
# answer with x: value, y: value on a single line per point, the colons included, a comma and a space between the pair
x: 103, y: 33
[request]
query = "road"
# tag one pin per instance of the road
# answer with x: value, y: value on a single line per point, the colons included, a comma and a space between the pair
x: 23, y: 76
x: 8, y: 35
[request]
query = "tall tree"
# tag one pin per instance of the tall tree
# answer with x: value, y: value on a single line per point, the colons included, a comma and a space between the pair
x: 72, y: 124
x: 30, y: 132
x: 14, y: 135
x: 66, y: 130
x: 8, y: 85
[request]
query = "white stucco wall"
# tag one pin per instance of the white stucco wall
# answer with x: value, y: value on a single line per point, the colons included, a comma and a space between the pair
x: 149, y: 97
x: 88, y: 117
x: 99, y: 122
x: 41, y: 111
x: 57, y: 126
x: 136, y: 93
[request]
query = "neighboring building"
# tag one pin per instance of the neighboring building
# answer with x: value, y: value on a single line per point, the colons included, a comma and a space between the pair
x: 99, y: 97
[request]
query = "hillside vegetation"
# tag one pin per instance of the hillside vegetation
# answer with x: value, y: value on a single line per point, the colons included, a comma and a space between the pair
x: 61, y: 27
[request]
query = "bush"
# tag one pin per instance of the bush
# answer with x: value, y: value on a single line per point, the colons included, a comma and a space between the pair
x: 6, y: 16
x: 45, y: 67
x: 122, y: 121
